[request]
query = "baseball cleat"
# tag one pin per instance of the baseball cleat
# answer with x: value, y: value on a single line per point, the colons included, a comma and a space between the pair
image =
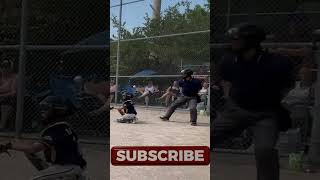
x: 164, y: 118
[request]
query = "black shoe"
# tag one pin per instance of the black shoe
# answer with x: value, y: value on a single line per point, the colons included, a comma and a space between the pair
x: 164, y: 118
x: 193, y: 124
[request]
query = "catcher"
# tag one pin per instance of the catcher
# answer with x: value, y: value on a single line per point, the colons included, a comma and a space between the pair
x: 58, y: 142
x: 127, y: 110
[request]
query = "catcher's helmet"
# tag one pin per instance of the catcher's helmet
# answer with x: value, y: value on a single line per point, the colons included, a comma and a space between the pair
x: 250, y: 33
x: 126, y: 96
x: 187, y: 72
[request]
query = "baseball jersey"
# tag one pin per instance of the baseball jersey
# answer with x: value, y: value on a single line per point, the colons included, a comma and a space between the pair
x: 128, y: 104
x: 190, y: 88
x: 63, y: 147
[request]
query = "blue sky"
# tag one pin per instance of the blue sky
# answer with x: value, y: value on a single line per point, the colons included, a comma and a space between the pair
x: 133, y: 14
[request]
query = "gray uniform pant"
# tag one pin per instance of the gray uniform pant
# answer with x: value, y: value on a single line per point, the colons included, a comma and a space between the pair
x: 181, y: 101
x: 233, y: 120
x: 65, y: 172
x: 54, y: 172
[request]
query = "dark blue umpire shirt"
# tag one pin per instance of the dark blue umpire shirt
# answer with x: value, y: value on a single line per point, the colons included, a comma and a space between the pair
x: 190, y: 88
x: 258, y: 84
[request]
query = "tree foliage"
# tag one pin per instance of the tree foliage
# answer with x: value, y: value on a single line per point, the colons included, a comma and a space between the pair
x: 164, y: 54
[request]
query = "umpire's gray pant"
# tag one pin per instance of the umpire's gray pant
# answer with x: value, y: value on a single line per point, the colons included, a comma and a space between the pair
x: 61, y: 172
x: 234, y: 119
x: 181, y: 101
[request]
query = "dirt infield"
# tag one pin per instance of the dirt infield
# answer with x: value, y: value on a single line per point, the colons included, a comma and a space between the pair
x: 151, y: 131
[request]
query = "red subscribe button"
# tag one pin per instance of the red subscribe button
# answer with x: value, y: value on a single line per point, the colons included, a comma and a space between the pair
x: 160, y: 155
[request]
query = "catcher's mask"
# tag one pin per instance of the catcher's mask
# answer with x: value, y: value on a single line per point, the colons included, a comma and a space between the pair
x: 126, y: 96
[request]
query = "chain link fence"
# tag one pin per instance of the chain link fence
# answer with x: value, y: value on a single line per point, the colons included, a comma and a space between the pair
x: 289, y: 25
x: 154, y: 49
x: 58, y: 48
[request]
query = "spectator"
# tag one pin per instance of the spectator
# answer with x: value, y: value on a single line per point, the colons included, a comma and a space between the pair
x: 8, y: 90
x: 78, y: 90
x: 255, y: 83
x: 78, y: 85
x: 203, y: 93
x: 298, y: 102
x: 202, y: 70
x: 150, y: 89
x: 172, y: 92
x: 113, y: 90
x: 190, y: 89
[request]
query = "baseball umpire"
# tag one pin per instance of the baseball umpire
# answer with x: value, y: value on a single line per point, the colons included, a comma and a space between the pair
x: 190, y: 89
x: 255, y: 82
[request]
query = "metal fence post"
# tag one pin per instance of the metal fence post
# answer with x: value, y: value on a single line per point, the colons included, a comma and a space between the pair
x: 21, y: 74
x: 252, y: 12
x: 228, y: 14
x: 118, y: 54
x: 315, y: 137
x: 209, y: 95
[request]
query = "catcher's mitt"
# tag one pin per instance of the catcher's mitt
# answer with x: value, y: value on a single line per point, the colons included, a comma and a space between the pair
x: 4, y: 148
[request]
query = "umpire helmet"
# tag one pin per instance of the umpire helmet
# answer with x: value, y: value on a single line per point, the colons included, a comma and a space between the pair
x: 187, y: 73
x: 250, y: 33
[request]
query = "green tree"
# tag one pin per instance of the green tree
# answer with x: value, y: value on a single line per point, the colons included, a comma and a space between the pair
x: 165, y: 54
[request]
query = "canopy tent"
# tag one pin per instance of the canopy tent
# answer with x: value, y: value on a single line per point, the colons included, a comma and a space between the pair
x: 146, y: 72
x: 129, y: 88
